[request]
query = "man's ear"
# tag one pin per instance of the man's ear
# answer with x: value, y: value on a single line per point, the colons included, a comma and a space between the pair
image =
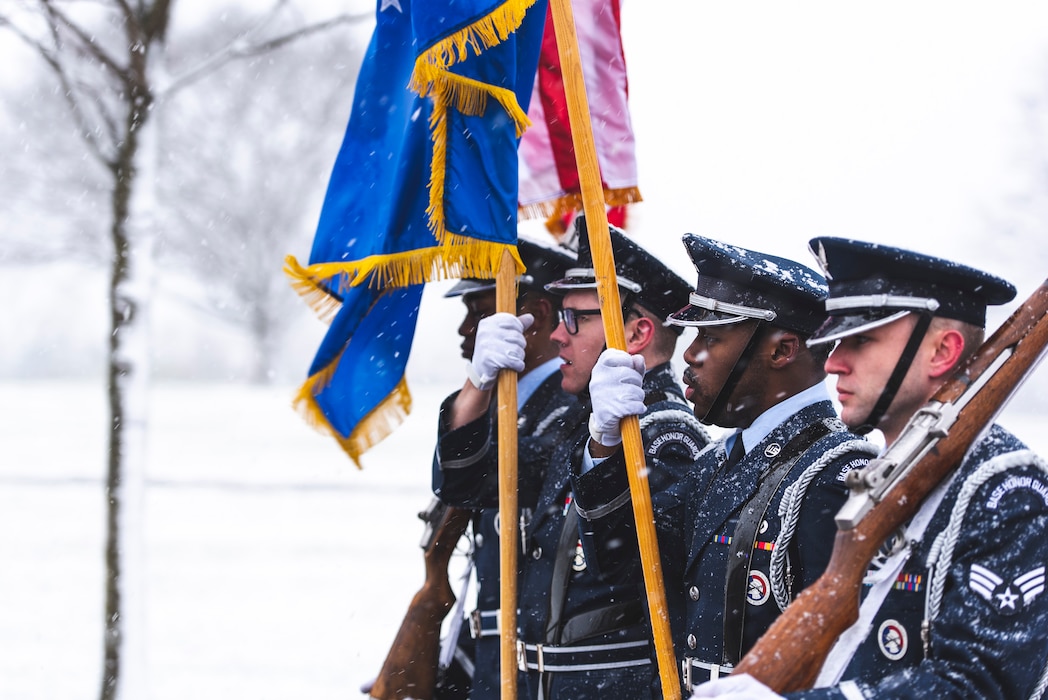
x: 785, y: 348
x: 543, y: 311
x: 640, y: 332
x: 947, y: 352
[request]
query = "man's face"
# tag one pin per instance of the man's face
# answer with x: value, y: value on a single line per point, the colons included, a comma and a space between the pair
x: 579, y: 352
x: 479, y: 305
x: 710, y: 358
x: 864, y: 362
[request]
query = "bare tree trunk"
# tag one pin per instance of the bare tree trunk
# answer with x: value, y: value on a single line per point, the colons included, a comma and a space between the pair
x: 264, y: 350
x: 134, y: 205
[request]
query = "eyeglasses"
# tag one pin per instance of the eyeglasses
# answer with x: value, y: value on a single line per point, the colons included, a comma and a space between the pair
x: 570, y: 318
x: 571, y: 321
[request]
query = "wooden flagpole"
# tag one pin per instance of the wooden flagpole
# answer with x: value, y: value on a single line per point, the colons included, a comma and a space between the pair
x: 506, y: 301
x: 611, y: 306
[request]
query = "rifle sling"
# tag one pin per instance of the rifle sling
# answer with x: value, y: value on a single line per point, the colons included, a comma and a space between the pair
x: 745, y: 536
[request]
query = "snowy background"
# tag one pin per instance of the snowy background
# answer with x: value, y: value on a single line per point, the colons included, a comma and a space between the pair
x: 274, y: 568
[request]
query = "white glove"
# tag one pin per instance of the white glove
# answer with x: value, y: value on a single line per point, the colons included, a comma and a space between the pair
x: 616, y: 392
x: 741, y: 687
x: 499, y: 345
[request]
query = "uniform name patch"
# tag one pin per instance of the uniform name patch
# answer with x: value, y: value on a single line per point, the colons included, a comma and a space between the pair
x: 854, y: 464
x: 677, y: 437
x: 1013, y: 483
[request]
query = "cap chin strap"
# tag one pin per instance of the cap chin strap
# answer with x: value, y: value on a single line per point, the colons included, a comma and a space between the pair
x: 924, y: 320
x: 716, y: 305
x: 591, y: 272
x: 728, y: 388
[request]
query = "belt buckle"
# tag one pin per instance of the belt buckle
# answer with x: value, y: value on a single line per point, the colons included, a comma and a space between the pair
x: 690, y: 664
x: 522, y: 657
x: 498, y: 624
x: 474, y: 624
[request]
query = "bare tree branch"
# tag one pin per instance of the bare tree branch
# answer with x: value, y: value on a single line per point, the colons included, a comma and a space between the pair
x: 279, y: 41
x: 70, y: 92
x: 86, y: 45
x: 238, y: 49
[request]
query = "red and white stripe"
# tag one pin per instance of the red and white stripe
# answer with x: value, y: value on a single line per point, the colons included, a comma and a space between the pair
x: 549, y: 182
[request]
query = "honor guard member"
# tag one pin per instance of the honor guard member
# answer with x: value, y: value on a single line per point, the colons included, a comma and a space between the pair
x: 954, y: 607
x: 752, y: 524
x: 465, y: 470
x: 583, y: 631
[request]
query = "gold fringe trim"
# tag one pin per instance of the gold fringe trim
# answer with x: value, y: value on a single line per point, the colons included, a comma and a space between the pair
x: 469, y: 96
x: 486, y: 32
x: 565, y: 203
x: 554, y: 209
x: 460, y: 256
x: 376, y: 426
x: 308, y: 286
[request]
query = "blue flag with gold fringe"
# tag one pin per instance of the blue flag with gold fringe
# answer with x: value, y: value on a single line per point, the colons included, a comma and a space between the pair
x: 424, y: 187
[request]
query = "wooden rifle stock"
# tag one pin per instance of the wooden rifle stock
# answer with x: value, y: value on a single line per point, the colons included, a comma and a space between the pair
x: 791, y: 653
x: 410, y: 669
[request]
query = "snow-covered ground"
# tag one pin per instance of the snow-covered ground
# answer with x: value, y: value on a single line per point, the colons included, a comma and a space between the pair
x: 274, y: 568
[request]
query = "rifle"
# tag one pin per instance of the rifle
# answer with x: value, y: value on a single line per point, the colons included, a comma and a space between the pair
x: 889, y: 491
x: 410, y: 669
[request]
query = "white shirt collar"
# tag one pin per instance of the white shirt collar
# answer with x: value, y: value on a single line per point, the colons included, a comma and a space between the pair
x: 528, y: 383
x: 777, y: 414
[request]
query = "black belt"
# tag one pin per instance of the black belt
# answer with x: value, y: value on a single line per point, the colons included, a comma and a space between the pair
x: 546, y: 658
x: 611, y: 618
x: 695, y: 672
x: 484, y: 623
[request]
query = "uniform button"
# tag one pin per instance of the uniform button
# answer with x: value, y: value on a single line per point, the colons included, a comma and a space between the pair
x: 479, y: 539
x: 692, y: 641
x: 536, y: 553
x: 693, y: 592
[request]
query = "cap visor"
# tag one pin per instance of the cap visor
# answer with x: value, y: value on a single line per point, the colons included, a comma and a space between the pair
x: 837, y: 327
x: 697, y: 316
x: 468, y: 287
x: 568, y: 283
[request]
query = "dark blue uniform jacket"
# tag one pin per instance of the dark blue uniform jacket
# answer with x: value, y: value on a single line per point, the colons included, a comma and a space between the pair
x: 977, y: 577
x: 696, y: 521
x: 465, y: 474
x: 607, y: 591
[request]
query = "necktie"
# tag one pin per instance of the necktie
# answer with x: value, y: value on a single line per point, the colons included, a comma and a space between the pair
x: 738, y: 451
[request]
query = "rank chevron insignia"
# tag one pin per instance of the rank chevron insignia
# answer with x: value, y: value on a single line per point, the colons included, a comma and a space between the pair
x: 1008, y: 598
